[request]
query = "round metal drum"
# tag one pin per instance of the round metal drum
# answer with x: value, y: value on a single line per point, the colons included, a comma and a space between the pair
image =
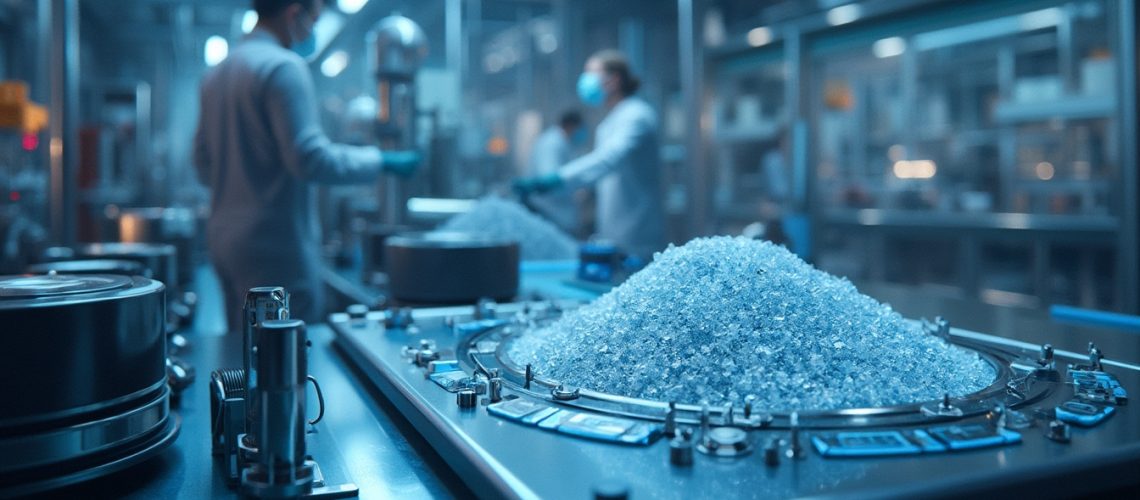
x: 170, y: 225
x: 91, y: 266
x: 159, y: 258
x: 82, y: 375
x: 451, y: 268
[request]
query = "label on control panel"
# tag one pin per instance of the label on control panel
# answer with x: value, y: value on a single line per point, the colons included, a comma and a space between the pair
x: 577, y: 424
x: 885, y: 443
x: 864, y: 444
x: 972, y: 436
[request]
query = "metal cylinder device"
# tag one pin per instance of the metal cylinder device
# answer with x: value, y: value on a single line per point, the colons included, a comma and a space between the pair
x: 279, y: 469
x: 398, y: 47
x: 265, y: 303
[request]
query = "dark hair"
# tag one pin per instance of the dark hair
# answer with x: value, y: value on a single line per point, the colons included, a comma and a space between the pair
x: 268, y: 8
x: 615, y: 63
x: 570, y: 119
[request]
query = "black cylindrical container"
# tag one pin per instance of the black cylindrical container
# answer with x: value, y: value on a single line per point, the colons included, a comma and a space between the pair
x: 77, y: 344
x: 83, y: 375
x: 451, y: 268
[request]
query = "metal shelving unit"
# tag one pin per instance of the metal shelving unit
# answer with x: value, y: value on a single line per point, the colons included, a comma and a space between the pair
x: 978, y: 145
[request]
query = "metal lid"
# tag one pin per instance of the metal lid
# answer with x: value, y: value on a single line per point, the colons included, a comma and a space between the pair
x: 90, y: 266
x: 126, y: 249
x: 447, y: 239
x: 51, y: 285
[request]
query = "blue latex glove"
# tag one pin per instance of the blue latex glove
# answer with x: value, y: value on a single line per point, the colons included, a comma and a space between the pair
x: 540, y: 184
x: 401, y: 163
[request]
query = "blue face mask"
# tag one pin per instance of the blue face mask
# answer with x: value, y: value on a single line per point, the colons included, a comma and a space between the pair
x: 590, y: 90
x: 305, y: 47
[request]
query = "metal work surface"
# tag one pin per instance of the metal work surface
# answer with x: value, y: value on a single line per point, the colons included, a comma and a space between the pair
x: 382, y: 454
x: 500, y: 456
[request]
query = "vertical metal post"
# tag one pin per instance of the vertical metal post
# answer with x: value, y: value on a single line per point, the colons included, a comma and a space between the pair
x: 692, y: 78
x: 145, y: 166
x: 64, y: 57
x: 1128, y: 251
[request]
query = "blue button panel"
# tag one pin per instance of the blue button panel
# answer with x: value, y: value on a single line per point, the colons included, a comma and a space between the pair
x: 1082, y: 414
x: 1098, y: 387
x: 864, y: 444
x: 885, y: 443
x: 577, y: 424
x: 972, y: 436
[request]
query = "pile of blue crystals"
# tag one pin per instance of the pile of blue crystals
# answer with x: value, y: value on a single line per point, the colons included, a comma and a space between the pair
x: 719, y: 319
x: 538, y: 239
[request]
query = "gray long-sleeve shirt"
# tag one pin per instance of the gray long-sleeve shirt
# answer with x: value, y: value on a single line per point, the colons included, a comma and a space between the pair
x: 258, y: 146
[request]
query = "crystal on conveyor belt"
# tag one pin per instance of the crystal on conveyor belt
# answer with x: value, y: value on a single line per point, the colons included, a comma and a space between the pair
x: 538, y: 239
x: 723, y: 318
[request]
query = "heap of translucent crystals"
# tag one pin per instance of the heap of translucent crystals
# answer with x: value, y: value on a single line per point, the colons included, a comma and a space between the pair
x: 723, y: 318
x: 538, y: 239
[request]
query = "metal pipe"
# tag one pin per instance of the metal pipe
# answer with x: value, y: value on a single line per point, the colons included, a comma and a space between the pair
x: 1128, y: 247
x: 64, y: 110
x: 692, y: 76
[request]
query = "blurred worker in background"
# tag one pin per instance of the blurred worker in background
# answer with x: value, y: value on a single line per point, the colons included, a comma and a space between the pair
x: 625, y: 162
x: 554, y: 148
x: 258, y: 147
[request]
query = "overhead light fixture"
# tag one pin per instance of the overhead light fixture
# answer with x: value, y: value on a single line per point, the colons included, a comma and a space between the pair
x: 759, y: 36
x: 547, y: 43
x: 248, y: 21
x: 1044, y: 171
x: 914, y: 169
x: 334, y: 64
x: 889, y: 47
x: 844, y: 14
x: 217, y: 48
x: 350, y: 6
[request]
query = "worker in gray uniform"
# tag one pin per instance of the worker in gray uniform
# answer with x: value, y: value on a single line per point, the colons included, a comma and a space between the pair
x: 259, y: 147
x: 625, y: 164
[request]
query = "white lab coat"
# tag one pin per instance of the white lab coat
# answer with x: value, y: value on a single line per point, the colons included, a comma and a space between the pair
x: 258, y: 146
x: 626, y: 166
x: 552, y: 149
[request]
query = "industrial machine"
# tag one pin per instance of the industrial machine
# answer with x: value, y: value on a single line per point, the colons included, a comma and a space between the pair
x: 259, y: 431
x: 1051, y: 422
x: 398, y: 47
x: 83, y: 377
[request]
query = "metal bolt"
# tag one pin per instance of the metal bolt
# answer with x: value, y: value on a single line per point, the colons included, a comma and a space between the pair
x: 795, y: 450
x: 671, y: 420
x: 495, y: 390
x: 772, y: 452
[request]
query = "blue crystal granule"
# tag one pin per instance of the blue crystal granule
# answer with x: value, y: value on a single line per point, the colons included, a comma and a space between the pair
x: 722, y: 318
x: 538, y: 239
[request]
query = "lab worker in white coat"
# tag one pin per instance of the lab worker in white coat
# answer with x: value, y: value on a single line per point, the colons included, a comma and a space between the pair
x: 625, y: 165
x: 259, y: 147
x: 553, y: 148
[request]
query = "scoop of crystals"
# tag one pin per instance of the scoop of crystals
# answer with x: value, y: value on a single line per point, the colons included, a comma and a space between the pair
x: 538, y: 239
x: 722, y: 318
